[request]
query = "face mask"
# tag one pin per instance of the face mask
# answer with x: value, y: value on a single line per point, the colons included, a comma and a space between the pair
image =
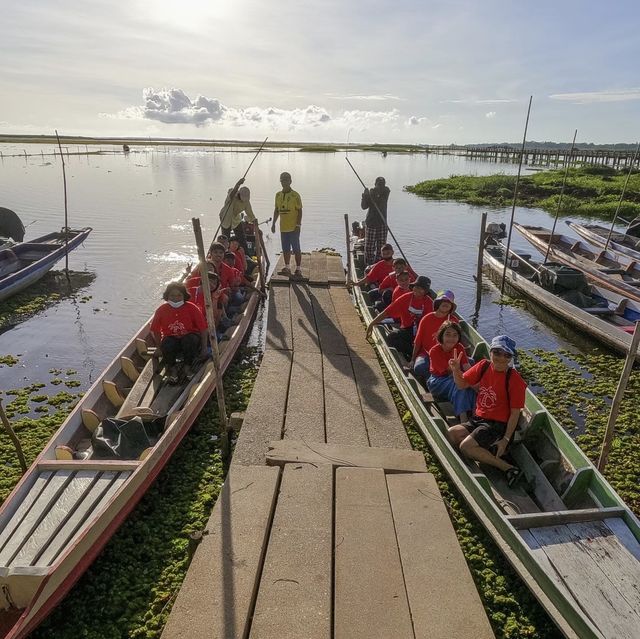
x: 176, y: 304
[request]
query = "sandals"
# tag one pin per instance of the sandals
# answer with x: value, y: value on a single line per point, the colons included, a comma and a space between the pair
x: 514, y: 475
x: 285, y: 271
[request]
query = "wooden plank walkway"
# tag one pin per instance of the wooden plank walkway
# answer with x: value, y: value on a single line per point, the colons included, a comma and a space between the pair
x: 329, y: 525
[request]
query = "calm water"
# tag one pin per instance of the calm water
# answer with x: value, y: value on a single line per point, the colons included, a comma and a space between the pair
x: 140, y: 207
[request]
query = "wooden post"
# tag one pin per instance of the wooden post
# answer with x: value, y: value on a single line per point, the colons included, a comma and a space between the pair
x: 617, y: 398
x: 66, y: 210
x: 256, y: 232
x: 348, y: 237
x: 13, y: 437
x: 204, y: 276
x: 483, y: 227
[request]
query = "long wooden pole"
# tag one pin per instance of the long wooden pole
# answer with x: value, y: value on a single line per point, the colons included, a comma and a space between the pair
x: 617, y: 398
x: 66, y: 209
x: 256, y: 232
x: 348, y: 238
x: 483, y: 227
x: 515, y: 197
x: 13, y: 437
x: 564, y: 182
x: 213, y: 338
x: 624, y: 188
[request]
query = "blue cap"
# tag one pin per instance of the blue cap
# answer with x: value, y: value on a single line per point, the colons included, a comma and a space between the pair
x: 505, y: 343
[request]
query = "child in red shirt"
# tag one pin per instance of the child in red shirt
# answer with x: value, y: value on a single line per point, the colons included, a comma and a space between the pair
x: 383, y: 294
x: 441, y: 382
x: 178, y: 329
x: 404, y: 279
x: 501, y: 397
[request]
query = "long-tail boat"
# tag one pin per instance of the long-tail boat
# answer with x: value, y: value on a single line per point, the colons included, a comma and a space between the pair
x: 620, y: 243
x: 615, y: 273
x: 72, y: 499
x: 25, y: 263
x: 607, y: 316
x: 565, y: 530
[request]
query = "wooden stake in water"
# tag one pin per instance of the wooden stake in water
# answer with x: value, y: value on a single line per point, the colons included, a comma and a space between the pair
x: 515, y: 197
x: 348, y: 237
x: 66, y: 210
x: 259, y: 247
x: 13, y: 437
x: 483, y: 226
x: 617, y: 398
x: 204, y: 276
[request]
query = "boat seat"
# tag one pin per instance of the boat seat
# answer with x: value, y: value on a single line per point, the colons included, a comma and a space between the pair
x: 560, y: 517
x: 481, y: 351
x: 599, y: 310
x: 8, y: 262
x: 612, y: 271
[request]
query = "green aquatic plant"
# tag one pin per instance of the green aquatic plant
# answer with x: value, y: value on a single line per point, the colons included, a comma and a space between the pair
x: 8, y: 360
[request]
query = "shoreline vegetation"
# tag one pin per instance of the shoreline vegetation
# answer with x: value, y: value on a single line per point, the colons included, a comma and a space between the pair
x: 590, y: 191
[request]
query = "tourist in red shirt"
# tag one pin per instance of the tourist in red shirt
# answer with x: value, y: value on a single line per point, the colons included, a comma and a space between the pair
x: 242, y: 262
x: 443, y: 308
x: 380, y: 269
x: 382, y: 296
x: 225, y: 272
x: 404, y: 279
x: 441, y: 383
x: 410, y: 308
x: 218, y: 295
x: 501, y: 397
x: 178, y: 329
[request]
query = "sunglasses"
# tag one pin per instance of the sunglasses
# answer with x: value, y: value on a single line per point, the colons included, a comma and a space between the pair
x: 501, y: 353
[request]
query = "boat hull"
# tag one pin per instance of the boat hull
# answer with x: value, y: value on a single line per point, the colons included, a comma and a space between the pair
x: 597, y: 235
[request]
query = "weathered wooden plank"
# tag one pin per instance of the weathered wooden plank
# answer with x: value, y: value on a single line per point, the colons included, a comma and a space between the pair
x: 433, y: 563
x: 279, y: 333
x: 329, y: 333
x: 275, y: 277
x: 353, y: 330
x: 556, y: 518
x: 318, y: 268
x: 590, y: 587
x: 335, y: 270
x: 305, y: 265
x: 219, y: 591
x: 294, y: 599
x: 54, y: 517
x: 25, y: 505
x: 619, y: 527
x: 389, y: 459
x: 383, y: 423
x: 305, y: 403
x: 264, y: 417
x: 370, y: 598
x: 35, y: 514
x: 303, y: 322
x: 344, y: 421
x: 139, y: 389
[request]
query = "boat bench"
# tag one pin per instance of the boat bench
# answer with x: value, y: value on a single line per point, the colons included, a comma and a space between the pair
x: 599, y: 310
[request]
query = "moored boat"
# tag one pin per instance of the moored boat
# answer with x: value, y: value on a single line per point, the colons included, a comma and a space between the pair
x: 615, y: 273
x: 620, y: 243
x: 564, y: 291
x: 74, y: 497
x: 25, y: 263
x: 569, y: 535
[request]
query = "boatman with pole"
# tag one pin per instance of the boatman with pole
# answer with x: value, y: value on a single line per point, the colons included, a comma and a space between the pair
x: 236, y: 203
x: 374, y: 201
x: 289, y: 210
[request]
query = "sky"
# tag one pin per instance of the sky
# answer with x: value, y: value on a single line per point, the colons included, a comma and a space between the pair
x: 408, y: 71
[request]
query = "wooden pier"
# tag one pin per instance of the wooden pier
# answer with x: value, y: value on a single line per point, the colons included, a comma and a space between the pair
x: 328, y: 524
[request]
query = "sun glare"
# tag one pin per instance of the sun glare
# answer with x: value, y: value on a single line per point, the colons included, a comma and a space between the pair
x: 185, y: 14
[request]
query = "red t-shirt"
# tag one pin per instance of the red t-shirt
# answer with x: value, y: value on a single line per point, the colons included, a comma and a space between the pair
x: 409, y: 309
x: 439, y: 359
x: 391, y: 281
x: 241, y: 263
x: 379, y: 271
x: 491, y: 402
x: 219, y: 296
x: 177, y: 322
x: 397, y: 292
x: 226, y: 274
x: 427, y: 329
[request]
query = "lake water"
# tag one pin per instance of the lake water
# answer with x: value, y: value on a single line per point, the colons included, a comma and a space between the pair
x: 140, y: 207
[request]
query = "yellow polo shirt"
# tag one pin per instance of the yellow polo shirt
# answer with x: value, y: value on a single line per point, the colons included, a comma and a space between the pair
x: 288, y: 205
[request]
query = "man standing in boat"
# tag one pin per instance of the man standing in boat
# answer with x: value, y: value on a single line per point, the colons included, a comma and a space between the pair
x: 236, y: 203
x: 375, y: 224
x: 289, y: 210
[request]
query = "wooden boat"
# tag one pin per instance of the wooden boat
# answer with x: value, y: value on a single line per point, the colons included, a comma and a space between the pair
x: 611, y: 321
x: 568, y: 534
x: 620, y: 243
x: 25, y: 263
x: 618, y: 274
x: 68, y: 505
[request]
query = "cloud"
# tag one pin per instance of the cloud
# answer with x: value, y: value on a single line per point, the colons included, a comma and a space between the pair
x: 588, y: 97
x: 490, y: 115
x: 416, y: 120
x: 384, y: 96
x: 479, y: 101
x: 173, y: 106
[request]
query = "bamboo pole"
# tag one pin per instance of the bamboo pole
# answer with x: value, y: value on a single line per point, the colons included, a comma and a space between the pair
x: 617, y: 398
x: 624, y: 188
x: 515, y: 197
x: 348, y: 237
x: 204, y: 276
x: 258, y: 241
x: 13, y: 437
x: 483, y: 227
x: 66, y: 210
x: 564, y: 182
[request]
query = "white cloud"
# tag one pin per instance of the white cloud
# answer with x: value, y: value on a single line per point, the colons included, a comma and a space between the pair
x: 381, y: 97
x: 490, y: 115
x: 587, y: 97
x: 479, y: 101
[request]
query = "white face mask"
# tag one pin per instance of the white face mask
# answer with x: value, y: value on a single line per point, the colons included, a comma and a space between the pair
x: 176, y: 304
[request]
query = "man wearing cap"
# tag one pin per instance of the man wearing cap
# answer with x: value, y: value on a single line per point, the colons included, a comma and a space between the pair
x: 375, y: 233
x: 236, y: 203
x: 383, y: 267
x: 288, y: 209
x: 501, y: 397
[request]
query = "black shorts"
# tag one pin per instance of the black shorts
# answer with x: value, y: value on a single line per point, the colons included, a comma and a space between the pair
x: 486, y: 432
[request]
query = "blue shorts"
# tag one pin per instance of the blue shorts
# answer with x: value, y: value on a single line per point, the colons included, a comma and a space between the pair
x: 290, y: 241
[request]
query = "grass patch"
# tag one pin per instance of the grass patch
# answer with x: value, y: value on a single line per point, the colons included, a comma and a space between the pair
x: 590, y: 191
